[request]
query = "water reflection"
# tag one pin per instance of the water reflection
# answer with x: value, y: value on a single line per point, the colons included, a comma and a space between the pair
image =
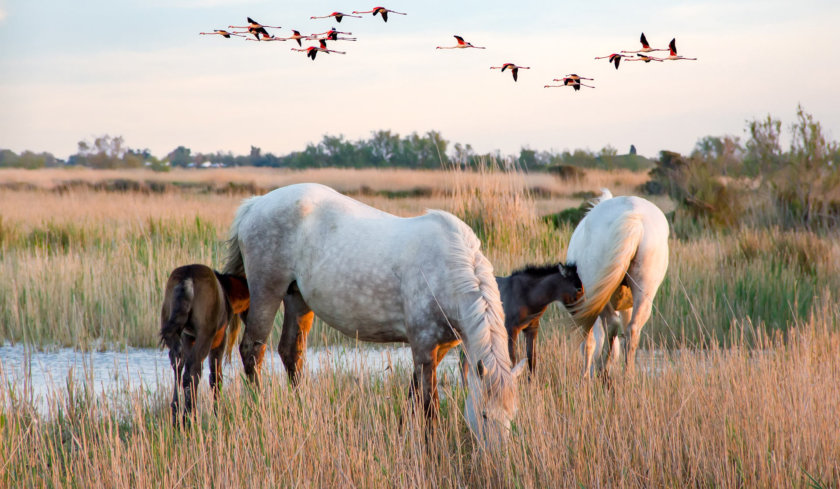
x: 38, y: 376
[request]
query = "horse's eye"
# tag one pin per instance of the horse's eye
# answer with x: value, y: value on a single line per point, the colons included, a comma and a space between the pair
x: 484, y: 414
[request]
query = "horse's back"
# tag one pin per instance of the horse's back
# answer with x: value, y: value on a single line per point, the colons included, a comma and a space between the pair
x: 193, y: 299
x: 359, y: 268
x: 597, y: 226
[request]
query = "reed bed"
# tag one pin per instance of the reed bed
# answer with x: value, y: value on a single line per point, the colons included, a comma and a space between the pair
x: 735, y: 417
x: 86, y: 268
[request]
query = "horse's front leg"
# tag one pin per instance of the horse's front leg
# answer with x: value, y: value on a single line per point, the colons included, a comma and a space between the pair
x: 297, y: 321
x: 424, y: 382
x: 264, y: 305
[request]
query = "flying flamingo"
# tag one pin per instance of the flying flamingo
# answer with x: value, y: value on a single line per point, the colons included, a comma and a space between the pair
x: 296, y: 36
x: 338, y: 16
x: 673, y: 56
x: 614, y: 58
x: 512, y: 67
x: 570, y: 81
x: 332, y: 35
x: 574, y: 77
x: 461, y: 44
x: 645, y: 58
x: 645, y: 47
x: 266, y: 37
x: 256, y: 28
x: 223, y: 33
x: 311, y: 51
x: 381, y: 11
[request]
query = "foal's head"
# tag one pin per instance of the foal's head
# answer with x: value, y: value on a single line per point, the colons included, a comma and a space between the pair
x: 569, y: 286
x: 548, y: 283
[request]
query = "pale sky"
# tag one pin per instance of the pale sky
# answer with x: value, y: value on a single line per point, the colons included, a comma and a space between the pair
x: 138, y: 68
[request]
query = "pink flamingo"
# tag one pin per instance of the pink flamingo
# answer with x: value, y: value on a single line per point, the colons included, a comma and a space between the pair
x: 223, y: 33
x: 673, y: 56
x: 512, y: 67
x: 645, y: 47
x: 338, y: 16
x: 296, y: 36
x: 332, y: 35
x: 570, y: 81
x: 645, y: 58
x: 614, y: 58
x: 381, y: 11
x: 311, y: 51
x: 256, y: 28
x: 461, y: 44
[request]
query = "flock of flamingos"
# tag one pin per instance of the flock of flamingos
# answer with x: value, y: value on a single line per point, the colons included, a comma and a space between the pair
x: 260, y: 33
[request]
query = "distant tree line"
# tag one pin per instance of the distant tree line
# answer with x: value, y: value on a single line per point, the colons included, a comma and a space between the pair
x: 724, y: 182
x: 383, y: 149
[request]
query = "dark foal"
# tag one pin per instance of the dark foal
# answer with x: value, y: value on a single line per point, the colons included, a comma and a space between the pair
x: 526, y: 294
x: 199, y: 304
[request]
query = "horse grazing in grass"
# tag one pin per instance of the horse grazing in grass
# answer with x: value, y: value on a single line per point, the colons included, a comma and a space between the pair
x: 621, y: 252
x: 526, y: 293
x: 199, y: 304
x: 378, y: 278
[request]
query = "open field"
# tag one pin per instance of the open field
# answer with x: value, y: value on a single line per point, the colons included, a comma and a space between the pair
x: 744, y: 393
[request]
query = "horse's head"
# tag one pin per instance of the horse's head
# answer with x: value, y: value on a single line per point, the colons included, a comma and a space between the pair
x: 570, y: 287
x: 491, y: 402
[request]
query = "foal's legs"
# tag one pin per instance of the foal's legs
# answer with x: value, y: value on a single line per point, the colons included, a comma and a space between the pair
x: 216, y: 352
x: 530, y: 338
x: 297, y: 321
x: 195, y: 351
x: 176, y: 359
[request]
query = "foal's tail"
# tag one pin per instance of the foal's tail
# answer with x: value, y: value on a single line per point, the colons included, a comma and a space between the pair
x: 181, y: 305
x: 623, y: 243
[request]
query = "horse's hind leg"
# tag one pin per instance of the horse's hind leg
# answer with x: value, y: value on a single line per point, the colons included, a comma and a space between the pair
x: 641, y: 313
x: 297, y: 321
x: 591, y: 347
x: 177, y: 361
x: 194, y: 356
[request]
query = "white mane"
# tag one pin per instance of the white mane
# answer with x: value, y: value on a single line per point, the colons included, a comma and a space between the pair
x: 482, y: 320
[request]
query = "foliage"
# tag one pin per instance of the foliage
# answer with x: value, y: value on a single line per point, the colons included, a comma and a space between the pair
x: 27, y: 159
x: 721, y: 180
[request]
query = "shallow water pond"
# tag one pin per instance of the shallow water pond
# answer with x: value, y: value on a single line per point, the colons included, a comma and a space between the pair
x: 40, y: 375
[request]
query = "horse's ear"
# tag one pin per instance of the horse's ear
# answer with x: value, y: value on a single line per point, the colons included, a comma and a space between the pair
x: 519, y: 368
x: 480, y: 369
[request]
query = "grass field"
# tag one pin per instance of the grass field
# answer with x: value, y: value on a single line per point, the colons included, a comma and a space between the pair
x: 746, y: 320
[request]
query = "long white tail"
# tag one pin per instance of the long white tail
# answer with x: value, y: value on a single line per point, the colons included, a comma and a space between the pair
x: 625, y: 239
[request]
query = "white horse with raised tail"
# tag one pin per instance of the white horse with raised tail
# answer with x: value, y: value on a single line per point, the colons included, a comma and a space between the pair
x: 379, y: 278
x: 621, y: 252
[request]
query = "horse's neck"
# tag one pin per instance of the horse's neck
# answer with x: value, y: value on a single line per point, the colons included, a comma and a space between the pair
x: 538, y: 292
x: 487, y: 344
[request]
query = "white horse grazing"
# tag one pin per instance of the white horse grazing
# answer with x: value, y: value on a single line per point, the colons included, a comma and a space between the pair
x: 621, y: 252
x: 379, y: 278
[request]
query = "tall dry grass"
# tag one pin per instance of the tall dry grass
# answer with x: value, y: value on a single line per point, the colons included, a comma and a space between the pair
x: 86, y: 268
x: 732, y: 417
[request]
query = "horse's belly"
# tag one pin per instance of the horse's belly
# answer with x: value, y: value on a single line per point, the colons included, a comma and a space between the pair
x: 360, y: 315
